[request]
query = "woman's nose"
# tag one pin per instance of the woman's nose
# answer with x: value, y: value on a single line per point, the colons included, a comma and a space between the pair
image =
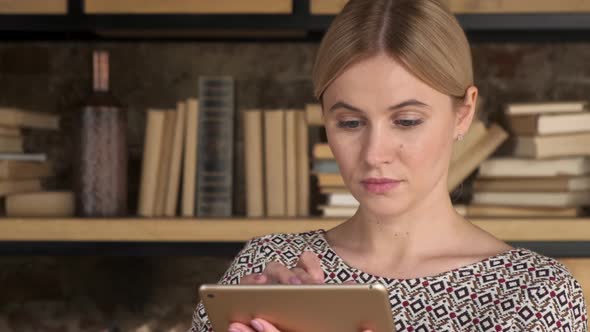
x: 378, y: 147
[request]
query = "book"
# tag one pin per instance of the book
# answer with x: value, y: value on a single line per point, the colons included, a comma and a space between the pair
x: 172, y: 189
x: 461, y: 168
x: 165, y: 162
x: 151, y: 162
x: 214, y: 193
x: 322, y: 151
x: 189, y: 169
x: 547, y: 184
x: 253, y: 152
x: 476, y: 133
x: 38, y: 157
x: 342, y: 199
x: 17, y: 170
x: 274, y: 164
x: 522, y: 167
x: 543, y: 199
x: 552, y: 146
x: 8, y: 187
x: 338, y: 211
x: 43, y: 204
x: 302, y: 164
x: 474, y: 210
x: 334, y: 190
x: 313, y: 112
x: 10, y: 144
x: 545, y: 107
x: 290, y: 149
x: 548, y: 124
x: 10, y: 131
x: 14, y: 117
x: 325, y: 166
x: 330, y: 180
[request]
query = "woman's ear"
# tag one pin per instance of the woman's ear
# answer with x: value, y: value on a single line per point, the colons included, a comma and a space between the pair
x: 466, y: 112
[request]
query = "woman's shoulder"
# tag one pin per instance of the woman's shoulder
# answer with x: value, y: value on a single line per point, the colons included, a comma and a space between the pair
x: 536, y: 267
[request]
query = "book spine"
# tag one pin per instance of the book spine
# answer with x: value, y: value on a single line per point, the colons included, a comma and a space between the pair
x: 274, y: 163
x: 253, y: 143
x: 302, y: 165
x: 290, y: 163
x: 175, y: 161
x: 189, y: 174
x: 215, y: 149
x: 151, y: 164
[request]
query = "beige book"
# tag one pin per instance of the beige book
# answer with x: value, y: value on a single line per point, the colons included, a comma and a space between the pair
x: 462, y: 167
x: 551, y: 184
x: 522, y: 167
x: 322, y: 151
x: 14, y: 117
x: 176, y: 161
x: 549, y: 124
x: 17, y: 170
x: 165, y: 162
x: 12, y: 144
x: 8, y: 187
x: 302, y: 165
x: 191, y: 142
x: 46, y: 204
x: 553, y: 146
x: 545, y: 107
x: 517, y: 7
x: 313, y: 113
x: 10, y: 131
x: 544, y: 199
x: 330, y: 180
x: 253, y: 152
x: 474, y: 210
x: 476, y: 133
x: 274, y: 143
x: 334, y: 190
x: 151, y: 162
x: 291, y: 163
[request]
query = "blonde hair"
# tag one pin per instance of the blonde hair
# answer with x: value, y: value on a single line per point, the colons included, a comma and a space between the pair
x: 423, y: 35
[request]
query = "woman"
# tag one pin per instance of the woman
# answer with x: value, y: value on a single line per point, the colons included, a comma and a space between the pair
x: 396, y: 86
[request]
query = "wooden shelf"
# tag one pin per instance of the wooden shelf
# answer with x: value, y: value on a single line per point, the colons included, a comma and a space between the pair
x: 188, y: 7
x: 239, y: 230
x: 33, y: 7
x: 333, y: 7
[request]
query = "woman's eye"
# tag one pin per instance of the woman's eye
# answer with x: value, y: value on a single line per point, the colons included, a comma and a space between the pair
x: 352, y: 124
x: 407, y: 122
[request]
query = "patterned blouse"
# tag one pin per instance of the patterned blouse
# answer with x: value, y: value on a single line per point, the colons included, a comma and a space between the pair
x: 517, y: 290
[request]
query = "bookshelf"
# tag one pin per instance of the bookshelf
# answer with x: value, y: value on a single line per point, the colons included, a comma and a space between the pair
x: 528, y: 20
x: 243, y: 229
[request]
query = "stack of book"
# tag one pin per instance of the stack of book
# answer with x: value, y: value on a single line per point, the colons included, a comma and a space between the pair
x: 548, y: 173
x: 21, y: 172
x: 479, y: 144
x: 277, y: 163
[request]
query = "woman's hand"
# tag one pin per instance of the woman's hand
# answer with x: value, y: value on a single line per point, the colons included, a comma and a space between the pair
x: 307, y: 271
x: 258, y: 325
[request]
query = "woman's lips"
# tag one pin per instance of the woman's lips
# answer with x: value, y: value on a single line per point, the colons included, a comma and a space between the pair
x: 379, y: 185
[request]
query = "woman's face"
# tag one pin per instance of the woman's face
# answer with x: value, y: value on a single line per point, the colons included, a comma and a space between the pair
x: 391, y: 134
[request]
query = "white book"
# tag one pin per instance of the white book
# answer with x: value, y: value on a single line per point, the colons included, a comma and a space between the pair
x: 338, y: 211
x: 545, y: 107
x: 24, y: 156
x: 521, y: 167
x: 563, y: 199
x: 342, y: 200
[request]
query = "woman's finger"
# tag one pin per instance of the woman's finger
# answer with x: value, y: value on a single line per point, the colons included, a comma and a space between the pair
x: 239, y: 327
x: 305, y: 277
x: 310, y: 262
x: 260, y: 325
x: 278, y: 273
x: 254, y: 279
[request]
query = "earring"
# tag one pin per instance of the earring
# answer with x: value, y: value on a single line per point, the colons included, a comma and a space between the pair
x: 460, y: 137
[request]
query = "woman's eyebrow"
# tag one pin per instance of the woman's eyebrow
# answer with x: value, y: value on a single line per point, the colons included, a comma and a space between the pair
x: 409, y: 102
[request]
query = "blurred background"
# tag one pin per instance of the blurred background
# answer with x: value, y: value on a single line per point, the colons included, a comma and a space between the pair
x: 143, y: 141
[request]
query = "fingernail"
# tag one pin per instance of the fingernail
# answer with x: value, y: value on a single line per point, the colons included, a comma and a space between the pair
x: 257, y: 325
x: 294, y: 281
x: 233, y: 329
